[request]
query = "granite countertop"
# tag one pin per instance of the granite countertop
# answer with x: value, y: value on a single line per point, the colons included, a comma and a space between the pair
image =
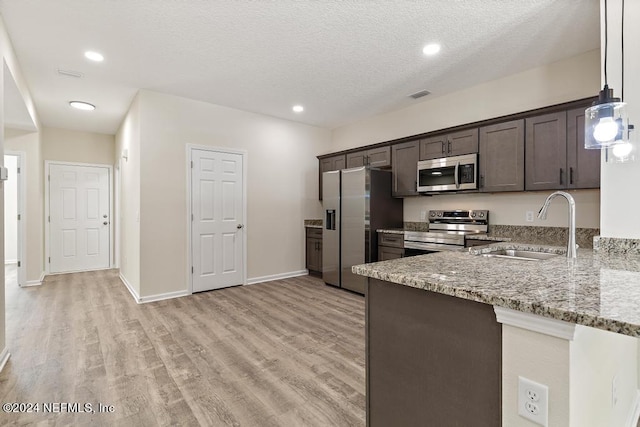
x: 391, y: 230
x: 597, y: 289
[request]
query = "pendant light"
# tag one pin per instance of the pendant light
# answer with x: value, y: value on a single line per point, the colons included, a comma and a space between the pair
x: 606, y: 122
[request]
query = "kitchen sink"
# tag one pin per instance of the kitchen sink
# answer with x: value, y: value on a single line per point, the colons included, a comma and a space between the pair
x: 520, y: 255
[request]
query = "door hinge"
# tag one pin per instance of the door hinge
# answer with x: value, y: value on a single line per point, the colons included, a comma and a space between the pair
x: 19, y: 264
x: 192, y: 165
x: 49, y: 178
x: 18, y: 170
x: 191, y: 269
x: 18, y: 217
x: 49, y: 260
x: 191, y: 217
x: 49, y: 218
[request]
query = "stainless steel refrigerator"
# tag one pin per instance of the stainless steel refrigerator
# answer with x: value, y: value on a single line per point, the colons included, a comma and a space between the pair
x: 356, y: 203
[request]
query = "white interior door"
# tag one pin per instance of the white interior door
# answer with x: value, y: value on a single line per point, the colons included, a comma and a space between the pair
x: 218, y: 210
x: 79, y: 229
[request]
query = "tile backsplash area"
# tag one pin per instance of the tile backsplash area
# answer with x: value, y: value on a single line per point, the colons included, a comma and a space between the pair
x: 545, y: 235
x: 555, y: 236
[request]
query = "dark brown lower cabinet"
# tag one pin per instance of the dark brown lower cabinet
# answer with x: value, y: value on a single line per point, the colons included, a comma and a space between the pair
x: 314, y: 251
x: 431, y: 359
x: 390, y: 246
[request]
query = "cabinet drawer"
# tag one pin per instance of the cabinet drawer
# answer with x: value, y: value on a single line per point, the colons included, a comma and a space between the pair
x: 391, y: 239
x: 314, y: 232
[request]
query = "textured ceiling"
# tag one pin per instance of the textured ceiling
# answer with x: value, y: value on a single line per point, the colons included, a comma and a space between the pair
x: 342, y: 60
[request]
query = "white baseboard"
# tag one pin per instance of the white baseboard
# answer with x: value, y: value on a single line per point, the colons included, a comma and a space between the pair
x: 160, y: 297
x: 254, y: 280
x: 634, y: 415
x: 34, y: 282
x: 4, y: 357
x: 151, y: 298
x: 132, y: 291
x: 10, y: 261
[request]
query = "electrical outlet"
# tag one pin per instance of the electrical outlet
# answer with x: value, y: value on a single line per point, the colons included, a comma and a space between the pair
x: 423, y: 215
x: 614, y: 391
x: 533, y: 401
x: 529, y: 216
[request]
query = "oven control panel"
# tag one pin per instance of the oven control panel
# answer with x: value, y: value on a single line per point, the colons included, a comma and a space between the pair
x: 458, y: 215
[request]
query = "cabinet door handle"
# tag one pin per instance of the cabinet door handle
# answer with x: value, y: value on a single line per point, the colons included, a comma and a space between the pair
x: 481, y: 181
x: 443, y: 150
x: 561, y: 171
x: 570, y: 175
x: 449, y: 147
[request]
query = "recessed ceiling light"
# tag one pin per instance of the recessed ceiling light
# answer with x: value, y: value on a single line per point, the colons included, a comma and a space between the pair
x: 298, y: 108
x: 82, y: 105
x: 94, y: 56
x: 431, y: 49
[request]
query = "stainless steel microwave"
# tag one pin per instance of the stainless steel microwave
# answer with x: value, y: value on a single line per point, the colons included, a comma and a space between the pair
x: 448, y: 174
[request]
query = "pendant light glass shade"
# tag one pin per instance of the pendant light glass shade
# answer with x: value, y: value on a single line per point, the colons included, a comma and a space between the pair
x: 606, y: 122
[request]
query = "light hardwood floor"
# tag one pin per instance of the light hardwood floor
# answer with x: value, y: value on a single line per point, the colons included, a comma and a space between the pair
x: 282, y: 353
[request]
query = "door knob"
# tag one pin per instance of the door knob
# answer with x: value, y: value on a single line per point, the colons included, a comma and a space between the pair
x: 105, y: 223
x: 104, y: 216
x: 239, y: 226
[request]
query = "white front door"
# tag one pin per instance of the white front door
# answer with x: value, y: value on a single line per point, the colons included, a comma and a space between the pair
x: 217, y: 205
x: 79, y: 229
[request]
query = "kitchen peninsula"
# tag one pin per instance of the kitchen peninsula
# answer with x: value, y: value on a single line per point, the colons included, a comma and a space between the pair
x: 449, y: 333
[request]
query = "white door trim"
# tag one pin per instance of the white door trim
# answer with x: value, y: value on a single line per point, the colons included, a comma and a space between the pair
x: 115, y: 218
x: 22, y: 211
x: 189, y: 156
x: 47, y: 164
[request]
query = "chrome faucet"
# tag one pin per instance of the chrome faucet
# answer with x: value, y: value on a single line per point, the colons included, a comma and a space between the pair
x: 542, y: 214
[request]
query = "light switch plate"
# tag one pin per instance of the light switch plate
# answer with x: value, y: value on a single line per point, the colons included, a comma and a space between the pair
x: 4, y: 173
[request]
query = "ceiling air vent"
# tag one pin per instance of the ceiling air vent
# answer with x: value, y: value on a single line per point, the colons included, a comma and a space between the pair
x: 419, y: 94
x: 70, y: 73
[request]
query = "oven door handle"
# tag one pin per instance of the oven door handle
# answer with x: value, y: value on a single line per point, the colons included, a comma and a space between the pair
x: 455, y: 173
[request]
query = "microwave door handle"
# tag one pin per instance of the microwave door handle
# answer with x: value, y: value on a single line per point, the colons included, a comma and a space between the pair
x: 455, y: 175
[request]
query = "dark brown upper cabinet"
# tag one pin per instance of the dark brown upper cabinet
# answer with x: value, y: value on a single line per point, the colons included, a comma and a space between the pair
x: 376, y: 157
x: 583, y: 164
x: 501, y: 157
x: 555, y: 153
x: 332, y: 163
x: 546, y: 151
x: 405, y: 168
x: 453, y: 144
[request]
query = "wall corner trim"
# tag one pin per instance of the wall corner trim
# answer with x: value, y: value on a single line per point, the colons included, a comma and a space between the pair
x: 35, y: 282
x: 634, y: 415
x: 535, y: 323
x: 4, y: 358
x: 271, y: 277
x: 132, y: 291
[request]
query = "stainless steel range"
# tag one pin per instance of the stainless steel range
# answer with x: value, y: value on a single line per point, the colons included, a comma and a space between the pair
x: 447, y: 230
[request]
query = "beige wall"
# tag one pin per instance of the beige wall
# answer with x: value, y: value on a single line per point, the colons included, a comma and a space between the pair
x: 78, y: 147
x: 282, y: 185
x: 540, y: 358
x: 29, y: 143
x: 128, y: 138
x: 10, y: 59
x: 574, y: 78
x: 579, y: 374
x: 620, y: 194
x: 597, y: 357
